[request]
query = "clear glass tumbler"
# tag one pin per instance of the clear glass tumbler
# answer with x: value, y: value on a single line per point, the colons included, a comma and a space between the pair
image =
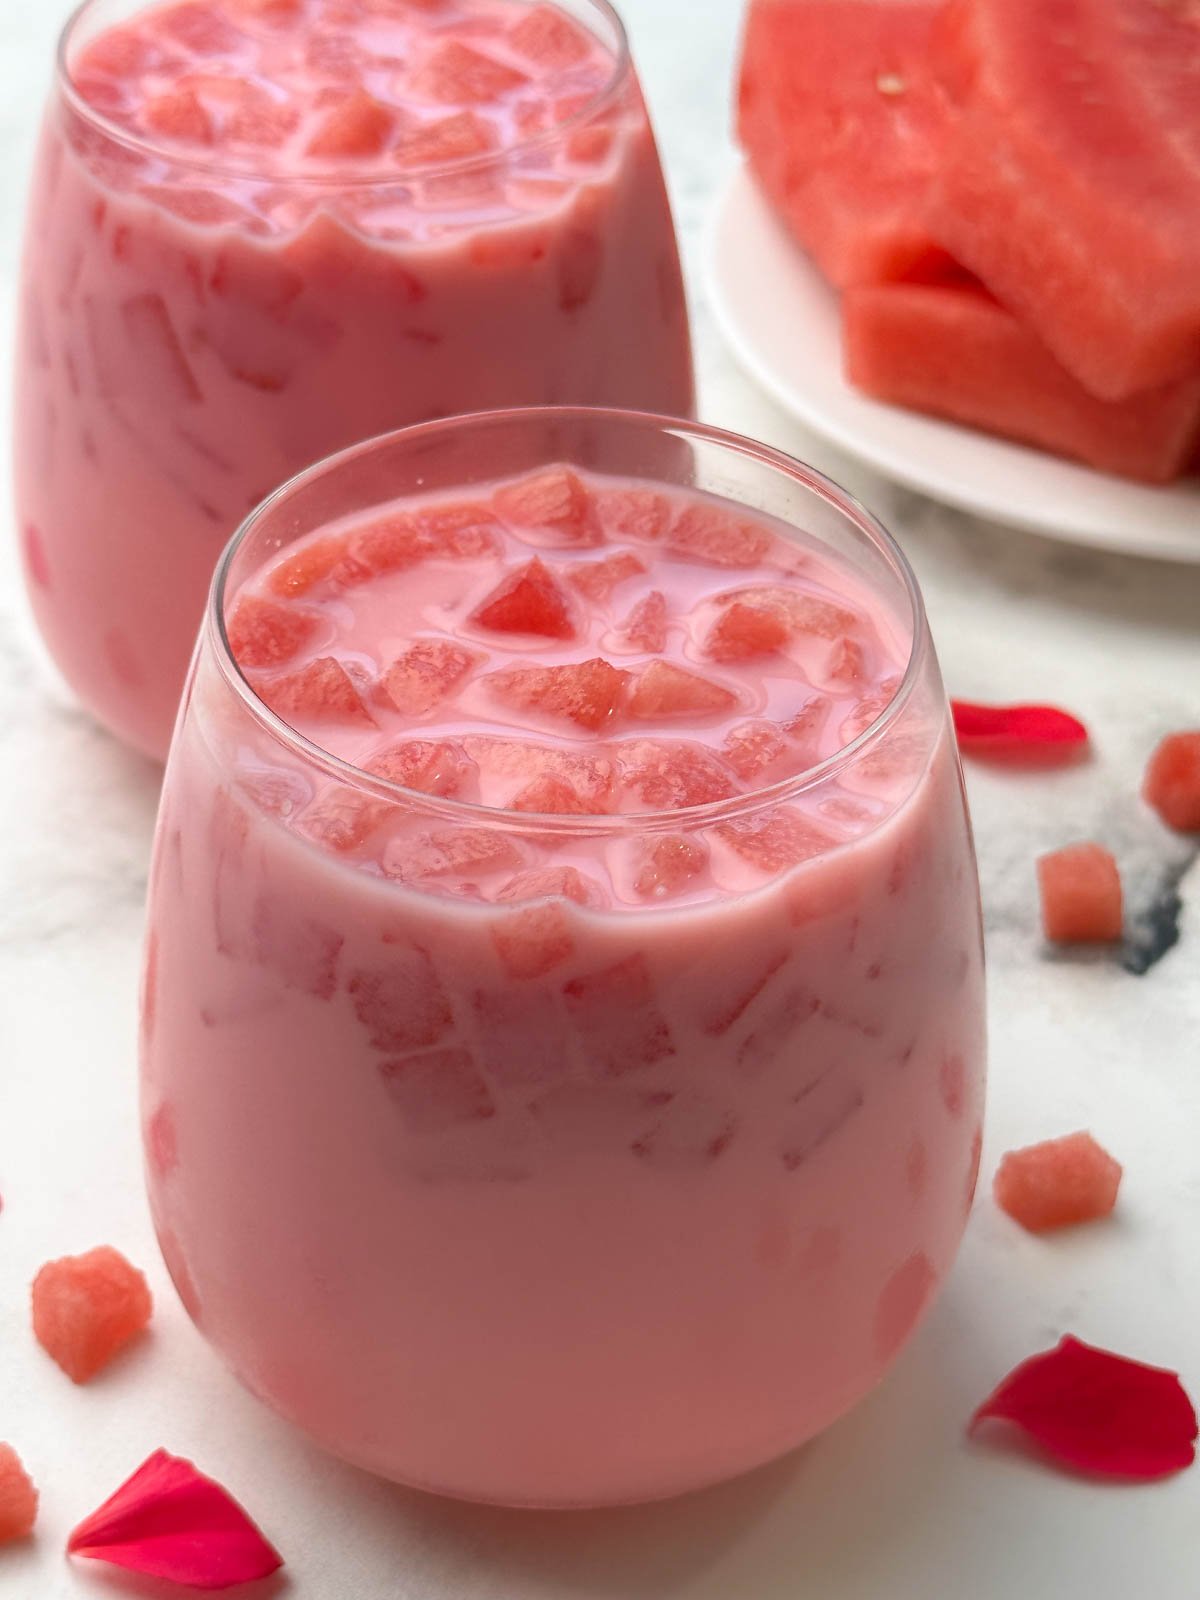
x: 198, y: 325
x: 648, y: 1211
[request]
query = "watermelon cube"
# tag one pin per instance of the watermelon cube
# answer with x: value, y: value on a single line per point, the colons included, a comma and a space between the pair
x: 598, y: 579
x: 402, y: 1006
x: 456, y: 74
x: 455, y: 138
x: 775, y: 840
x: 534, y: 940
x: 667, y: 864
x: 549, y: 795
x: 326, y: 560
x: 1070, y: 177
x: 743, y: 631
x: 264, y: 633
x: 840, y: 119
x: 1081, y: 895
x: 512, y: 763
x: 646, y: 625
x: 88, y: 1308
x: 847, y: 663
x: 179, y: 115
x: 465, y: 853
x: 459, y: 530
x: 667, y: 775
x: 586, y: 692
x: 554, y: 505
x: 753, y: 748
x: 528, y: 600
x: 165, y: 370
x: 540, y: 883
x: 425, y: 674
x: 544, y: 35
x: 322, y: 691
x: 664, y: 690
x: 953, y: 351
x: 437, y: 1090
x: 1058, y: 1183
x: 717, y: 537
x: 431, y: 766
x: 634, y: 513
x: 342, y: 819
x: 357, y: 126
x: 197, y: 26
x: 18, y: 1497
x: 1172, y: 781
x: 390, y: 545
x: 617, y: 1019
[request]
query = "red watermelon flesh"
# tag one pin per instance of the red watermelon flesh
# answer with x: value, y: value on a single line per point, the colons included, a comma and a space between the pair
x: 1070, y: 178
x: 840, y: 118
x: 955, y: 352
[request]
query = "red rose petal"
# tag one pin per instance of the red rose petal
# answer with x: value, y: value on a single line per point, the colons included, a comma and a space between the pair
x: 1039, y: 734
x: 170, y: 1521
x: 1098, y: 1412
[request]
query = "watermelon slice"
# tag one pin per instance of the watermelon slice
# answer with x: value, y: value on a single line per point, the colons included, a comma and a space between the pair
x: 840, y: 119
x: 1058, y: 1183
x: 1081, y: 895
x: 1070, y: 176
x: 1172, y: 781
x: 954, y: 351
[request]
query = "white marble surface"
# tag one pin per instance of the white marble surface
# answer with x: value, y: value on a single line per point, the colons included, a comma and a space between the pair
x: 894, y: 1502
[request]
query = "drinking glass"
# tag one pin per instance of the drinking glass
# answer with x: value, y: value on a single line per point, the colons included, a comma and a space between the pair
x: 613, y: 1223
x: 194, y: 330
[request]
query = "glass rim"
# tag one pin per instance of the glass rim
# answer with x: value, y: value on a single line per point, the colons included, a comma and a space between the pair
x: 682, y: 818
x: 341, y: 177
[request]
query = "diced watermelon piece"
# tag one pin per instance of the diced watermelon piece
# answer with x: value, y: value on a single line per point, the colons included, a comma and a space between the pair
x: 431, y: 766
x: 634, y: 513
x: 459, y: 530
x: 902, y: 1303
x: 88, y: 1308
x: 549, y: 38
x: 452, y: 853
x: 1058, y: 1183
x: 179, y: 115
x: 840, y: 119
x: 586, y: 692
x: 343, y: 819
x: 743, y: 631
x: 425, y: 674
x: 1069, y: 177
x: 646, y: 626
x: 803, y: 613
x: 955, y: 352
x: 805, y: 727
x: 774, y: 841
x: 752, y: 748
x: 200, y: 28
x: 554, y: 503
x: 322, y: 691
x: 1081, y: 895
x: 533, y: 941
x: 520, y: 1043
x: 273, y: 11
x: 316, y: 561
x: 667, y: 864
x: 402, y: 1005
x: 516, y: 762
x: 691, y: 1132
x: 847, y: 663
x: 614, y: 1012
x: 528, y: 600
x: 117, y: 53
x: 437, y: 1090
x: 1172, y: 781
x: 264, y: 633
x: 598, y: 579
x: 358, y: 126
x: 18, y: 1497
x: 164, y: 369
x: 568, y: 883
x: 549, y: 795
x: 707, y: 533
x: 300, y: 950
x: 455, y: 138
x: 664, y: 690
x: 392, y: 544
x: 666, y: 775
x: 456, y: 74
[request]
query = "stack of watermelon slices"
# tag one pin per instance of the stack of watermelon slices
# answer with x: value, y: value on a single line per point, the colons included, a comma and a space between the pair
x: 1007, y: 195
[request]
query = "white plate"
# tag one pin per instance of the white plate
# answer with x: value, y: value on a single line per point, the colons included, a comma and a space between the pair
x: 780, y: 317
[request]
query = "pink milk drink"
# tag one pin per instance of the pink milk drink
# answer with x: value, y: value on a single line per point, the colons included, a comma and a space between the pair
x: 563, y: 1020
x: 262, y: 230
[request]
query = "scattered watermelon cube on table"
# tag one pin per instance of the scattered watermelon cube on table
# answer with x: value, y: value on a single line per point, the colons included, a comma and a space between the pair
x: 87, y: 1308
x: 1081, y: 894
x: 1172, y: 781
x: 1058, y: 1183
x: 840, y: 118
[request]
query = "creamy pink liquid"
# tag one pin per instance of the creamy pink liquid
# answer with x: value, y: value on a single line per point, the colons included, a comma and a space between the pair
x: 303, y: 224
x: 541, y: 1161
